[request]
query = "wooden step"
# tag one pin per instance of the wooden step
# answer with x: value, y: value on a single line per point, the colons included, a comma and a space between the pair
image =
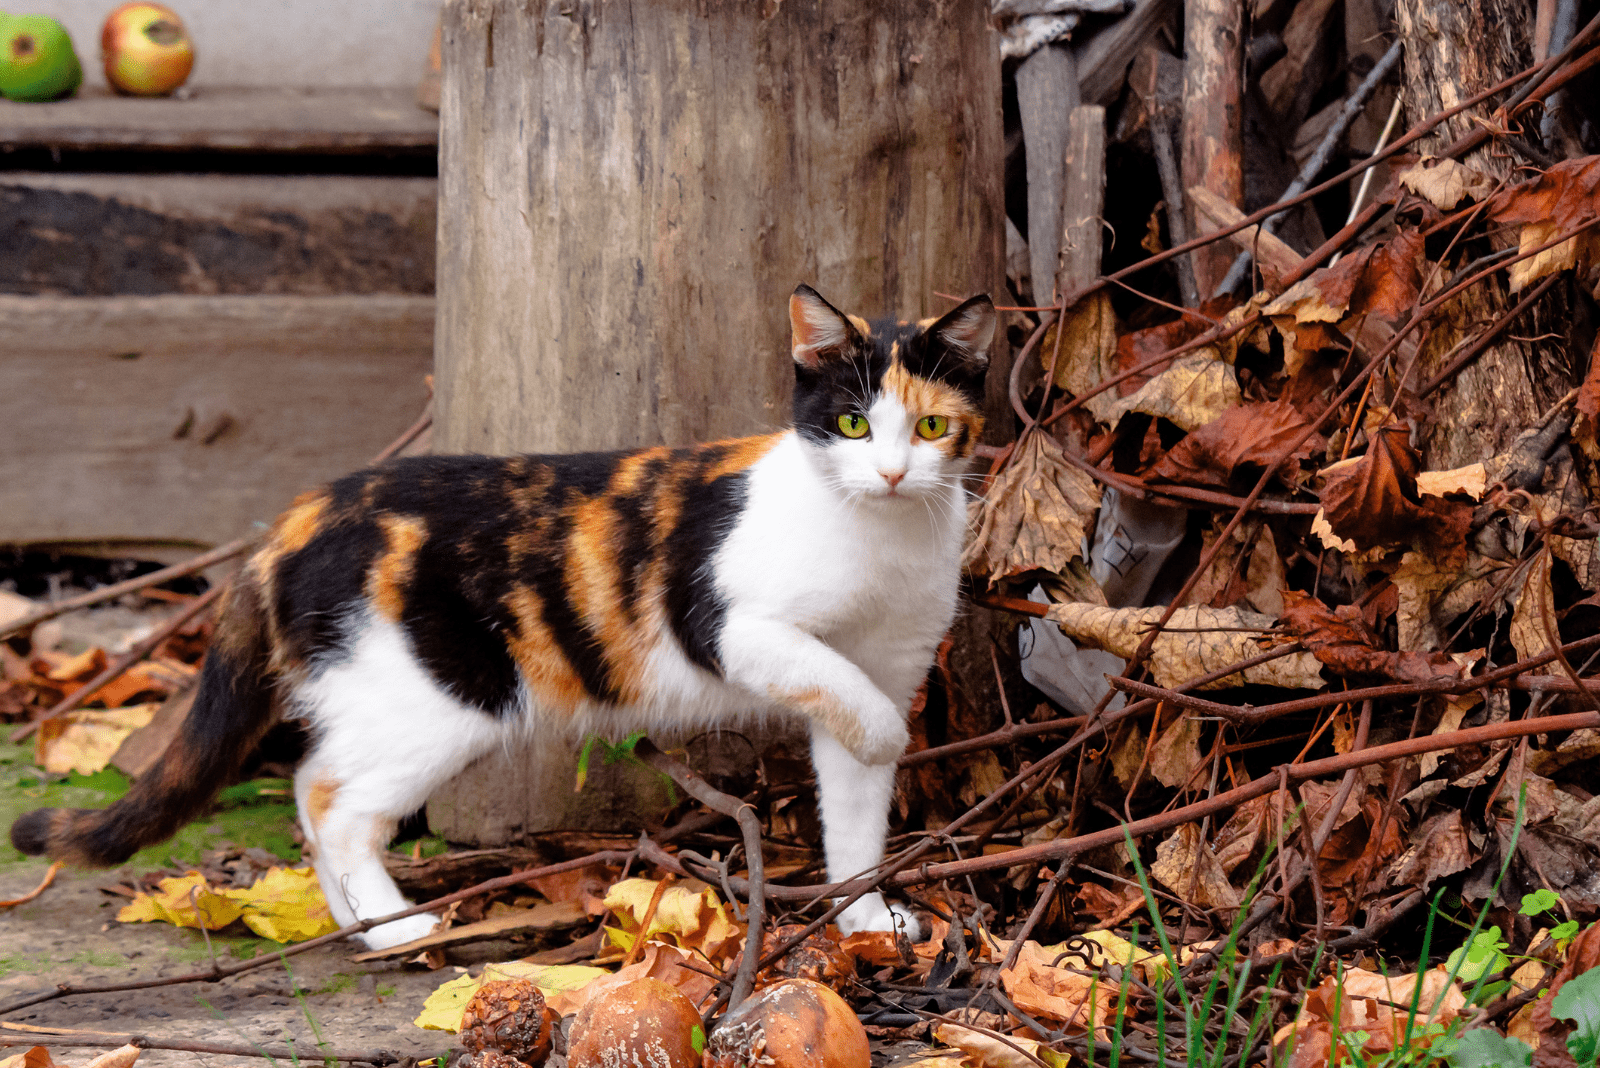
x: 131, y: 423
x: 353, y: 121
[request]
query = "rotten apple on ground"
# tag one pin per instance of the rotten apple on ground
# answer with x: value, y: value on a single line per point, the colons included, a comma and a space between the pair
x: 146, y: 49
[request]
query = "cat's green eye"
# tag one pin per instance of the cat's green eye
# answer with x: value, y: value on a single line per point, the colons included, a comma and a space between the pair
x: 932, y: 426
x: 852, y: 425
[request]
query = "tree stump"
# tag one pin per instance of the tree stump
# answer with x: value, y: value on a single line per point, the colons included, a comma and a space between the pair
x: 629, y: 193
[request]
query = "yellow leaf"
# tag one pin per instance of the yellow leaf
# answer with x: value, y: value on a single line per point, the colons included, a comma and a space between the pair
x: 285, y: 905
x: 86, y: 739
x: 1191, y: 393
x: 183, y: 901
x: 684, y: 917
x: 444, y: 1007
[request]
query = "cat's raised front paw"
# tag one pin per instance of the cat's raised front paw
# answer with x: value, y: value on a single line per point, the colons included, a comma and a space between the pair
x: 399, y: 932
x: 883, y: 742
x: 873, y: 913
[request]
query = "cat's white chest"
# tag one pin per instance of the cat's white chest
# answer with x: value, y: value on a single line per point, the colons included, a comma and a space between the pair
x: 836, y: 567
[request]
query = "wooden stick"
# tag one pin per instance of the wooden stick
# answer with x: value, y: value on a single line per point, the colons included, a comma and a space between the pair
x: 756, y: 886
x: 106, y: 1040
x: 121, y: 665
x: 133, y: 585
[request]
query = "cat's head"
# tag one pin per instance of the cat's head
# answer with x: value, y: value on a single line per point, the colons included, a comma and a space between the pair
x: 890, y: 409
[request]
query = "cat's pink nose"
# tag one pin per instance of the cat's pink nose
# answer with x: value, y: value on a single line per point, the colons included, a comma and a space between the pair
x: 893, y: 477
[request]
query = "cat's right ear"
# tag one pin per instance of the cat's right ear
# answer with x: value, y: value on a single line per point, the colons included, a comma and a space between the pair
x: 820, y: 331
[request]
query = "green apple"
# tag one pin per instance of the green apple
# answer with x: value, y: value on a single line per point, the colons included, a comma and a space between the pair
x: 37, y: 61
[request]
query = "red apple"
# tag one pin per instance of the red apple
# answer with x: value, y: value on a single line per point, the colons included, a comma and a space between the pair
x: 146, y: 50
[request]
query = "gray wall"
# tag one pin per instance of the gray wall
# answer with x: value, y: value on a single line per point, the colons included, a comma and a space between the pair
x: 274, y: 42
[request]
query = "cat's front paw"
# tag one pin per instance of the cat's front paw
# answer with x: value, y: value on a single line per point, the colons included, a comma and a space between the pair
x: 885, y: 738
x: 873, y: 913
x: 399, y: 932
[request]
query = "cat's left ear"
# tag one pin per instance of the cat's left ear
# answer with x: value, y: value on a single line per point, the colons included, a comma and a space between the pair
x: 967, y: 330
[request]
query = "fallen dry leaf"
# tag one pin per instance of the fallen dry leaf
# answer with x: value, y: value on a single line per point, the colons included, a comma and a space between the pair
x: 1534, y: 604
x: 1559, y: 199
x: 696, y: 921
x: 1195, y: 390
x: 1187, y: 867
x: 1035, y: 514
x: 559, y: 983
x: 85, y: 739
x: 1175, y: 757
x: 33, y: 1057
x: 1445, y: 183
x: 285, y: 905
x: 1375, y: 501
x: 1358, y: 1000
x: 979, y: 1050
x: 1583, y: 955
x: 1249, y: 437
x: 1340, y: 639
x: 1256, y: 583
x: 1196, y: 641
x: 1088, y: 349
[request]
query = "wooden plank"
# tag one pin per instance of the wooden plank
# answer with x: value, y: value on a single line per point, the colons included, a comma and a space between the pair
x: 352, y: 121
x: 1275, y: 258
x: 114, y: 234
x: 545, y: 917
x: 188, y: 420
x: 1083, y: 202
x: 1047, y: 91
x: 1105, y: 55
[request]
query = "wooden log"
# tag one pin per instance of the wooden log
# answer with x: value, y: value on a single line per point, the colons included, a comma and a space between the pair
x: 185, y: 421
x: 630, y: 192
x: 1454, y: 49
x: 1047, y: 91
x: 1212, y: 118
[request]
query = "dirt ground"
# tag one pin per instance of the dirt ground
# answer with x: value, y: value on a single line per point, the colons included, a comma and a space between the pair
x: 70, y: 935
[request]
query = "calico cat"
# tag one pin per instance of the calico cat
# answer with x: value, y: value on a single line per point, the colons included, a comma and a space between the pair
x: 419, y: 614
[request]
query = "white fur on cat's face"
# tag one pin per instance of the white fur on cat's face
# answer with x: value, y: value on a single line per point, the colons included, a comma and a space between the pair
x: 891, y: 464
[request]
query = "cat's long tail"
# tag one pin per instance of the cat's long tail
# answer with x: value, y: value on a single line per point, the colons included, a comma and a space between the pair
x: 231, y: 712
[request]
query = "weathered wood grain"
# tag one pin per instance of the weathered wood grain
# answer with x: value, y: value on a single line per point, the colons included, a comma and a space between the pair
x: 1083, y: 198
x: 185, y: 420
x: 1213, y: 117
x: 629, y: 193
x: 238, y: 120
x: 1047, y: 91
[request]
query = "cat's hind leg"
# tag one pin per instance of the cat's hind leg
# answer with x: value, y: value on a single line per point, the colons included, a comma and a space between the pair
x: 385, y: 735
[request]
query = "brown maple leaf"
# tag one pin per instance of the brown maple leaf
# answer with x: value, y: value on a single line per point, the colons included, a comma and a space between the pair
x: 1383, y: 279
x: 1252, y: 435
x: 1375, y: 500
x: 1340, y: 639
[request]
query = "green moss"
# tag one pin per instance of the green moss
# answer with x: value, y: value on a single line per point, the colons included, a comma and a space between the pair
x: 337, y: 984
x: 252, y: 814
x: 92, y: 959
x: 432, y: 846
